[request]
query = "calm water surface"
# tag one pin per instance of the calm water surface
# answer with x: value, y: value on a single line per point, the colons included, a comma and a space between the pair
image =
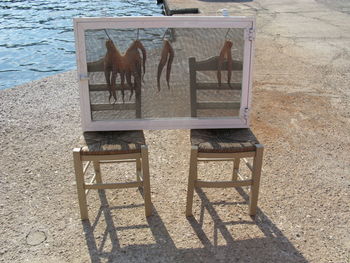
x: 37, y: 39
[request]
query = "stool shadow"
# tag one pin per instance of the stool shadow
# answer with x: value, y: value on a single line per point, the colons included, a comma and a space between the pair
x: 273, y: 247
x: 163, y: 245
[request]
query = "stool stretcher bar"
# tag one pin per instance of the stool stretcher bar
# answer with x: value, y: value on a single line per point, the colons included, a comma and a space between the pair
x: 225, y: 160
x: 120, y: 161
x: 215, y: 159
x: 222, y: 184
x: 110, y: 157
x: 113, y: 185
x: 225, y: 155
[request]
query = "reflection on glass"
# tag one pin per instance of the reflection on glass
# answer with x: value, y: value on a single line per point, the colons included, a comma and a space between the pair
x: 183, y: 71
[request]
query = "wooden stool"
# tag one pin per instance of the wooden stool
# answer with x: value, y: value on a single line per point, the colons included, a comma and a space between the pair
x: 225, y: 145
x: 107, y: 147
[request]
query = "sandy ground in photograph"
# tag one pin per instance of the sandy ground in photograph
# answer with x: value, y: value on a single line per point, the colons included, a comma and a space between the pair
x: 300, y: 112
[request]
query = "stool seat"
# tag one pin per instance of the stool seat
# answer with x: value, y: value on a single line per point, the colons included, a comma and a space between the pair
x: 112, y: 142
x: 223, y: 140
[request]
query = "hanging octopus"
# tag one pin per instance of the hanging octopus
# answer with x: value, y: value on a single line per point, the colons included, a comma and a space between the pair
x: 225, y: 53
x: 166, y: 55
x: 127, y: 65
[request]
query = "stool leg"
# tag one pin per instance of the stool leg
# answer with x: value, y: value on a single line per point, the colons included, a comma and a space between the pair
x: 97, y: 169
x: 146, y: 180
x: 254, y: 190
x: 191, y: 180
x: 235, y: 169
x: 138, y: 169
x: 79, y: 176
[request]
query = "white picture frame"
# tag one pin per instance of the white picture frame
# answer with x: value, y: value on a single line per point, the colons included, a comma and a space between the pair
x: 242, y: 121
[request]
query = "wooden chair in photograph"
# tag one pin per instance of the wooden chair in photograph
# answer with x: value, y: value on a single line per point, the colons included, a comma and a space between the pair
x: 98, y: 67
x: 225, y: 145
x: 196, y: 86
x: 110, y: 147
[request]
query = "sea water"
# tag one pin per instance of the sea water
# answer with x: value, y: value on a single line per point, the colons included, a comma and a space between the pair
x: 37, y: 38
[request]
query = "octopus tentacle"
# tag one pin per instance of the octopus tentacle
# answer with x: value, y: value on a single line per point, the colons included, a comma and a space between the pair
x: 225, y: 52
x: 122, y: 81
x: 113, y: 88
x: 167, y: 55
x: 137, y: 76
x: 134, y: 60
x: 162, y: 62
x: 128, y: 80
x: 229, y: 63
x: 136, y: 46
x: 108, y: 81
x: 170, y: 61
x: 111, y: 68
x: 107, y: 70
x: 144, y: 55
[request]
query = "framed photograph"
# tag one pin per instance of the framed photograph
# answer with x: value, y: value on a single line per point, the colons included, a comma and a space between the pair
x: 164, y: 72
